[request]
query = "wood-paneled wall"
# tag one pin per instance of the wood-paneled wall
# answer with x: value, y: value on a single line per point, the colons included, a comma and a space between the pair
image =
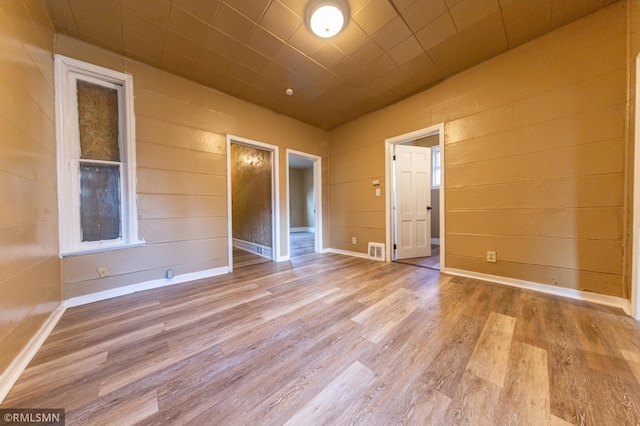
x: 535, y: 150
x: 251, y: 181
x: 30, y: 285
x: 181, y: 158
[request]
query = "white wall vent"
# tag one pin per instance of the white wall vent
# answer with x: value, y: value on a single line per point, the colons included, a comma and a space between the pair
x: 376, y: 251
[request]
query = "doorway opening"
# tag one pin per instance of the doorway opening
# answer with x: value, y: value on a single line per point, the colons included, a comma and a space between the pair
x: 304, y: 201
x: 252, y: 188
x: 415, y: 199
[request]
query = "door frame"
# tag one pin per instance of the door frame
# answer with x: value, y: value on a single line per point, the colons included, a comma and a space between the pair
x: 317, y: 197
x: 275, y: 195
x: 635, y: 248
x: 437, y: 129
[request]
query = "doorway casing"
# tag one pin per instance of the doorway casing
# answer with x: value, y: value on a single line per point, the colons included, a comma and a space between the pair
x: 437, y: 129
x: 275, y: 195
x: 317, y: 196
x: 635, y: 249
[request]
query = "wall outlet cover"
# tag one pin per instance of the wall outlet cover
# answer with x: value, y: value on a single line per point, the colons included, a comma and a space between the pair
x: 491, y: 257
x: 103, y: 271
x: 353, y: 240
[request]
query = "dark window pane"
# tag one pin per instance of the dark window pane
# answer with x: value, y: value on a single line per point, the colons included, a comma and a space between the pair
x: 98, y: 122
x: 99, y: 202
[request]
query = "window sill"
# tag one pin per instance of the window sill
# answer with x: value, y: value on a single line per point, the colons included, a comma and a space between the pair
x: 140, y: 243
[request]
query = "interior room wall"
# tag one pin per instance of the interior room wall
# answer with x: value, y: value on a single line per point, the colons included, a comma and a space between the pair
x: 536, y: 144
x: 295, y: 198
x: 251, y: 176
x: 181, y: 128
x: 30, y: 286
x: 307, y: 193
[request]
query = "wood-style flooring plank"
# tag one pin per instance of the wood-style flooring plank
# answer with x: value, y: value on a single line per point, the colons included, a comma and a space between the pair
x: 446, y: 370
x: 126, y: 413
x: 633, y: 359
x: 491, y: 354
x: 325, y: 407
x: 476, y: 402
x: 379, y: 319
x: 525, y: 398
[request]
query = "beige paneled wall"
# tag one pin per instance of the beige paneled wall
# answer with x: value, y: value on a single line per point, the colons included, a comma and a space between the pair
x: 181, y: 157
x: 535, y: 147
x: 296, y: 198
x: 307, y: 195
x: 30, y: 287
x: 633, y: 51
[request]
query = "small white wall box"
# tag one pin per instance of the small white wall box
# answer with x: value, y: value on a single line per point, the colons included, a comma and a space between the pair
x: 376, y: 251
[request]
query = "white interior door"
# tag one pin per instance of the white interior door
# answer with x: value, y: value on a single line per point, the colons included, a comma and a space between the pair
x: 412, y: 201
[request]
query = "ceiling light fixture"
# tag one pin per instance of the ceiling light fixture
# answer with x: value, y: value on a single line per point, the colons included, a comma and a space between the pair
x: 326, y: 18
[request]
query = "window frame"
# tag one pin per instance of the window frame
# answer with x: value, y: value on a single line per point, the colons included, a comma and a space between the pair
x: 67, y: 72
x: 436, y: 167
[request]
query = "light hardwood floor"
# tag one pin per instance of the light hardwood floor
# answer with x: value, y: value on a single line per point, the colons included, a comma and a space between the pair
x: 335, y: 340
x: 302, y: 243
x: 242, y: 258
x: 432, y: 261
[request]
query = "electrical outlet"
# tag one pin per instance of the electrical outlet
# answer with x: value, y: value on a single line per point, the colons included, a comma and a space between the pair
x: 353, y: 240
x: 103, y: 271
x: 491, y: 257
x: 377, y: 192
x: 169, y: 274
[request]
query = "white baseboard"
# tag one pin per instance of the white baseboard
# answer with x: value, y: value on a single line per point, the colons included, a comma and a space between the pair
x: 587, y: 296
x: 254, y: 248
x: 302, y: 229
x: 15, y: 369
x: 346, y: 253
x: 435, y: 241
x: 148, y: 285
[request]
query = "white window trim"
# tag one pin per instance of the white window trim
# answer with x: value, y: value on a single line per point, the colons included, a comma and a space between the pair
x: 435, y: 171
x: 68, y: 201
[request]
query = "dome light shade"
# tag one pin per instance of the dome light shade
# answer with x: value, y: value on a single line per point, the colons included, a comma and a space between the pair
x: 326, y: 18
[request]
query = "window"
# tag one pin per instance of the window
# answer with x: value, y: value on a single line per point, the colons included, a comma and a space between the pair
x: 435, y: 167
x: 96, y: 158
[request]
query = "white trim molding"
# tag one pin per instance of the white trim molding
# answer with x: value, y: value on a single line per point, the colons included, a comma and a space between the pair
x: 255, y: 248
x: 302, y: 229
x: 147, y: 285
x: 586, y: 296
x: 20, y: 363
x: 347, y: 253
